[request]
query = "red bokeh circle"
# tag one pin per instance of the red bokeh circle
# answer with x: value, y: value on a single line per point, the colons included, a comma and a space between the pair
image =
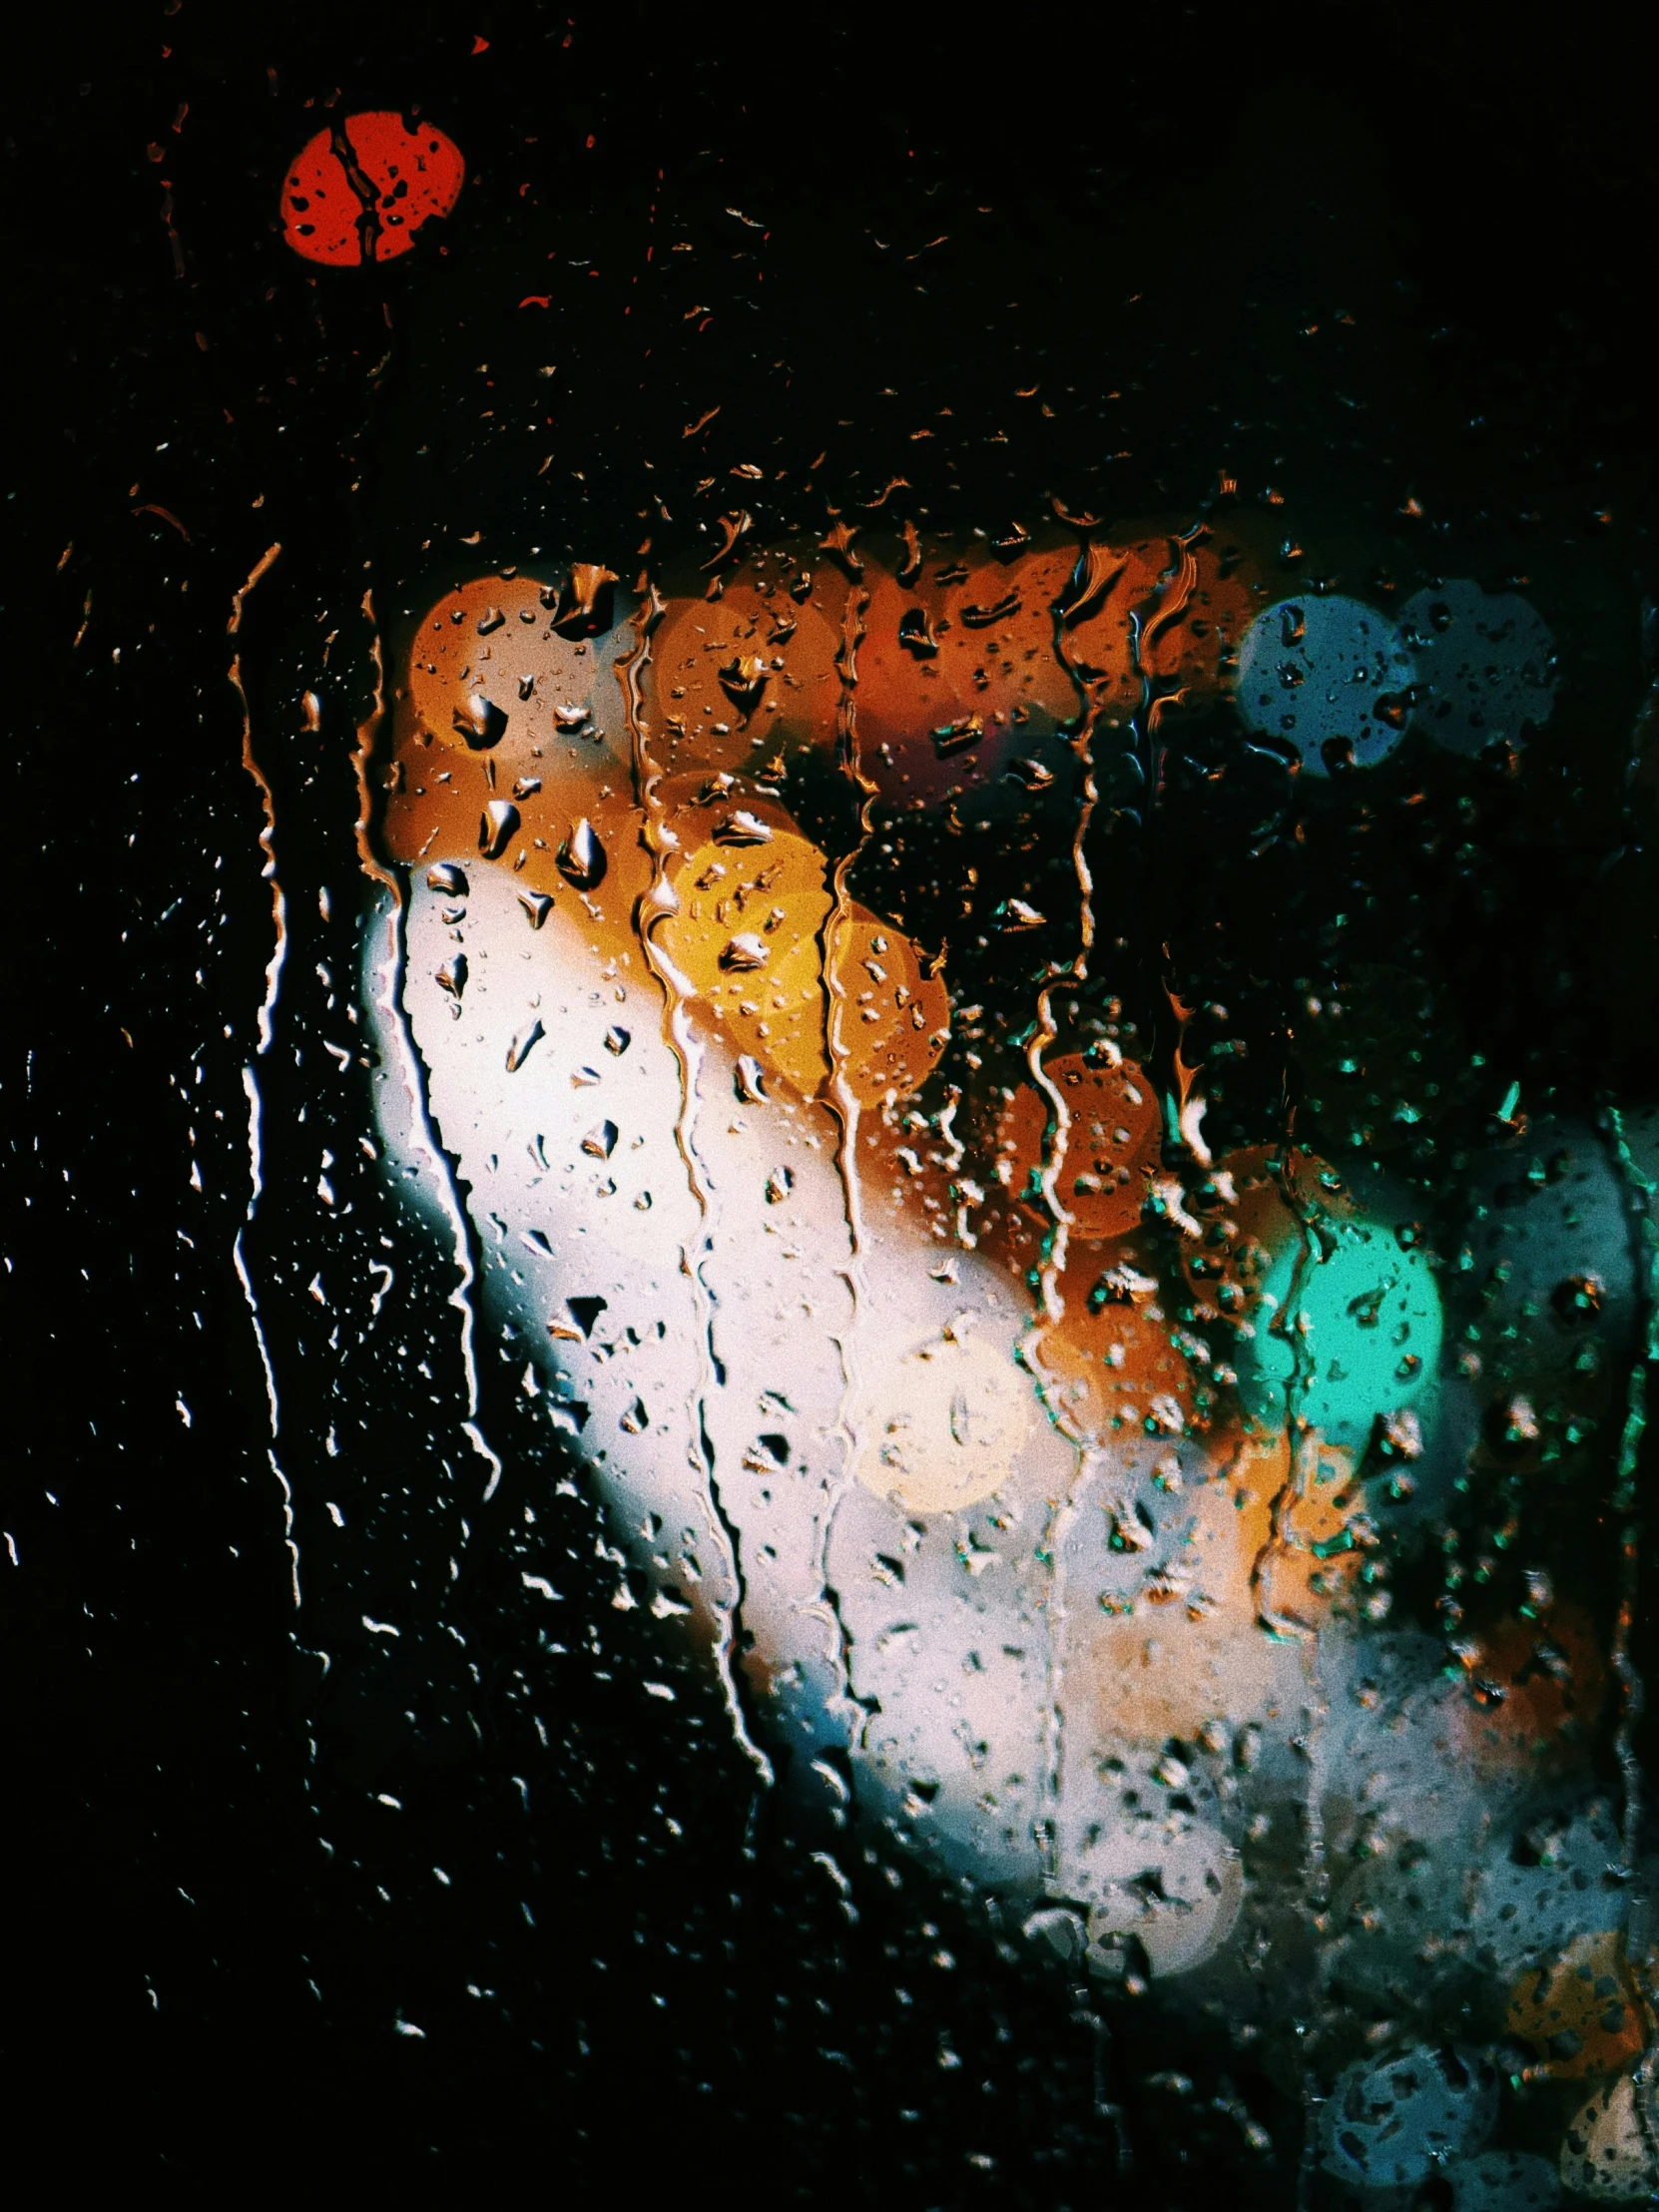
x: 361, y: 190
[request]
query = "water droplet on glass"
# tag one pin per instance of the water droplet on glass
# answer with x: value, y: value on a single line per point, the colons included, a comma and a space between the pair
x: 481, y: 722
x: 1401, y: 1434
x: 600, y: 1141
x: 960, y: 1424
x: 1514, y: 1423
x: 1017, y: 914
x: 745, y: 953
x: 575, y: 1319
x: 523, y: 1044
x: 447, y: 879
x: 617, y: 1040
x: 497, y: 828
x: 743, y: 679
x: 537, y: 904
x: 1580, y: 1297
x: 582, y: 606
x: 743, y: 827
x: 956, y: 737
x: 582, y: 857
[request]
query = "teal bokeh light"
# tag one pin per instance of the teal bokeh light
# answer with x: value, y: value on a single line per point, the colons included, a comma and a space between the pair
x: 1349, y: 1327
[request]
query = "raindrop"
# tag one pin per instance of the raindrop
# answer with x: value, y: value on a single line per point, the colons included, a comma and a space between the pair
x: 743, y: 679
x: 636, y: 1420
x: 1514, y: 1423
x: 1000, y: 610
x: 956, y: 737
x: 600, y: 1141
x: 522, y: 1046
x: 743, y: 827
x: 576, y: 1318
x: 583, y: 603
x: 537, y: 904
x: 1580, y: 1297
x: 526, y: 786
x: 1057, y: 1929
x: 1094, y: 577
x: 744, y: 952
x: 1399, y: 1434
x: 497, y: 828
x: 452, y: 976
x: 447, y: 879
x: 837, y: 539
x: 480, y: 722
x: 1129, y: 1532
x: 491, y: 618
x: 749, y: 1080
x: 582, y: 857
x: 779, y: 1183
x: 617, y: 1040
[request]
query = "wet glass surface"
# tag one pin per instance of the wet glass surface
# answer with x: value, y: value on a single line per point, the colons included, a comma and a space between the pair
x: 836, y: 1130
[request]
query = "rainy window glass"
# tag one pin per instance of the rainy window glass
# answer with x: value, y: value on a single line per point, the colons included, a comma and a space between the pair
x: 833, y: 1136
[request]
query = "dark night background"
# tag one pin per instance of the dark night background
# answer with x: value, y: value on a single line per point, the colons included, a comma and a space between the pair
x: 214, y: 1924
